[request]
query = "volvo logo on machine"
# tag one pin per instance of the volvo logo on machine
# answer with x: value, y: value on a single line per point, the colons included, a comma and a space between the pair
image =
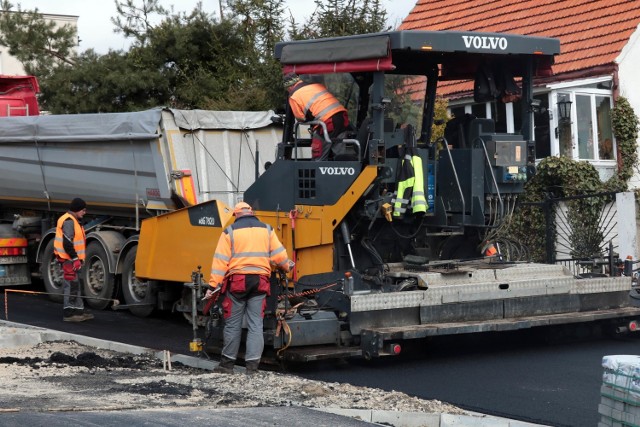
x: 325, y: 170
x: 485, y: 42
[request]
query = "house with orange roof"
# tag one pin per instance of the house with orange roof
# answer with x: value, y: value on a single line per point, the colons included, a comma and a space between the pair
x: 599, y: 61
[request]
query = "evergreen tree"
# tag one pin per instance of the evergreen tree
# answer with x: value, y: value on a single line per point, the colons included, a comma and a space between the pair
x: 334, y: 18
x: 38, y: 44
x: 182, y: 60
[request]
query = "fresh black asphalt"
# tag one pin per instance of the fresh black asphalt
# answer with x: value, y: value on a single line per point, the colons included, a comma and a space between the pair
x: 531, y: 377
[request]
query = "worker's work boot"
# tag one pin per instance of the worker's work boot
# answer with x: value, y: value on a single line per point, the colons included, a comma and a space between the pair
x: 252, y: 367
x: 225, y: 366
x: 85, y: 314
x: 71, y: 315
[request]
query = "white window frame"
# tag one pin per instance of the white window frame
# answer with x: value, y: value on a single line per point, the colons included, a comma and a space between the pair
x: 573, y: 88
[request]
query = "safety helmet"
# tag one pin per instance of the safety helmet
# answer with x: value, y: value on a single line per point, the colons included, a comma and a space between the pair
x: 290, y: 79
x: 242, y: 209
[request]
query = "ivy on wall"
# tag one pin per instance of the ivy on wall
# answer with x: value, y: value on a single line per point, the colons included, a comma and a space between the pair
x: 625, y: 128
x: 563, y: 177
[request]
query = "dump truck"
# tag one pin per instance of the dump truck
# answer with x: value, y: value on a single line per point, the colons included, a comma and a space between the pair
x: 369, y: 276
x: 127, y: 167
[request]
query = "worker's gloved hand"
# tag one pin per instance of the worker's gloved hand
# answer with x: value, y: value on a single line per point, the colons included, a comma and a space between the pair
x: 77, y: 264
x: 290, y: 265
x: 68, y: 272
x: 211, y: 293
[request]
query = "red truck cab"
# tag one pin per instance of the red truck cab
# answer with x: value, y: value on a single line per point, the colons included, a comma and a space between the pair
x: 18, y: 96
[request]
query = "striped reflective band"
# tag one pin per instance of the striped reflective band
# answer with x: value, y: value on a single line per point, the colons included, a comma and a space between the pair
x: 312, y: 100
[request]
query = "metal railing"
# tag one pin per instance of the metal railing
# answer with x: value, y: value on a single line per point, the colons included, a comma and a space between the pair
x: 575, y: 237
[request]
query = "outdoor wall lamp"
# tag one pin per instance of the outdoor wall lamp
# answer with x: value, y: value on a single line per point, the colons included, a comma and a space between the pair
x: 564, y: 113
x: 564, y: 110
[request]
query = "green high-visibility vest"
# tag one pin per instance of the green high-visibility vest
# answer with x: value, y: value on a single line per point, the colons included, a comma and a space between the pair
x: 411, y: 187
x: 418, y: 199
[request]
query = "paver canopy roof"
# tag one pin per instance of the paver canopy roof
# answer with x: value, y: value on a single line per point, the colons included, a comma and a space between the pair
x: 592, y: 33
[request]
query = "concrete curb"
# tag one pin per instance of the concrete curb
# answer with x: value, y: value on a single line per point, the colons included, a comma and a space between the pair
x: 422, y: 419
x: 16, y: 334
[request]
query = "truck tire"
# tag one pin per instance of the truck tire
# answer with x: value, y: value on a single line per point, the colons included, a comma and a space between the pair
x: 98, y: 283
x: 51, y: 273
x: 141, y: 295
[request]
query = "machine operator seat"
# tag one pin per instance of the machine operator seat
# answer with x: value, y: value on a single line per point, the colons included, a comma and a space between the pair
x: 344, y: 147
x: 456, y: 131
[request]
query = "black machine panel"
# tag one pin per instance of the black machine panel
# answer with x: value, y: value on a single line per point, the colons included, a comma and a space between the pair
x: 289, y: 183
x: 470, y: 174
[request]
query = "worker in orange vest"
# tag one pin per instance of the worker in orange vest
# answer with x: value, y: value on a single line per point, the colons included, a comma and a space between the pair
x: 242, y: 266
x: 69, y: 247
x: 313, y: 101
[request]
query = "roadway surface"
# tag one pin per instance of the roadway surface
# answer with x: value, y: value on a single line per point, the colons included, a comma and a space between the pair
x: 523, y: 376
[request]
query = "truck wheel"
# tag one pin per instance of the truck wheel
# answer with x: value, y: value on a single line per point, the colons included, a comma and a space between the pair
x: 98, y: 283
x: 51, y: 274
x: 135, y: 291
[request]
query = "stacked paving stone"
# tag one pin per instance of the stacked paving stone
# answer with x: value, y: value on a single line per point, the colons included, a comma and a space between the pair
x: 620, y: 392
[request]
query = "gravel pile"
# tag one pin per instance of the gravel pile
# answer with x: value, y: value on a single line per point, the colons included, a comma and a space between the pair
x: 64, y: 376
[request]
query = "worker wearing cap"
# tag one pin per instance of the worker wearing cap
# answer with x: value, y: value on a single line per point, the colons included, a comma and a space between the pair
x: 313, y: 101
x: 69, y: 248
x: 242, y: 266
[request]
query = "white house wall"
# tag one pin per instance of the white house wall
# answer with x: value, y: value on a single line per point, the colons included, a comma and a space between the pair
x: 627, y: 225
x: 629, y: 81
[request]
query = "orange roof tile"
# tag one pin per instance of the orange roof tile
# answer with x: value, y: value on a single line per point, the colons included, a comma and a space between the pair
x: 592, y: 33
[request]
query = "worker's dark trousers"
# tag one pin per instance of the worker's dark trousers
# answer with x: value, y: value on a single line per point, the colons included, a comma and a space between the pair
x: 336, y: 124
x: 252, y: 306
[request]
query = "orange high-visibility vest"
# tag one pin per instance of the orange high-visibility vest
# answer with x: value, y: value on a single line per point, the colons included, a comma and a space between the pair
x: 490, y: 250
x: 79, y: 238
x: 247, y: 246
x: 313, y: 102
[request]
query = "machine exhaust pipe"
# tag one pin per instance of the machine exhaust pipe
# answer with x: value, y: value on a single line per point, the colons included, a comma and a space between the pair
x: 346, y: 236
x: 622, y: 330
x: 632, y: 326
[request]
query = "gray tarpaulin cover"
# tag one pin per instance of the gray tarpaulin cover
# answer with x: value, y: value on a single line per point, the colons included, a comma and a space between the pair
x: 81, y: 127
x: 238, y: 120
x: 122, y: 126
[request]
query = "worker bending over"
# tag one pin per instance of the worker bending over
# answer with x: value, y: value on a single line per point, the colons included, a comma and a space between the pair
x: 313, y: 101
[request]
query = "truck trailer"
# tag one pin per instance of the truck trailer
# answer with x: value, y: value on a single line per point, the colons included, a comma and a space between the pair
x: 370, y: 271
x: 127, y: 167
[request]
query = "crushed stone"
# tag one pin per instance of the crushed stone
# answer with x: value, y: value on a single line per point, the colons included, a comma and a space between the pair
x: 65, y: 375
